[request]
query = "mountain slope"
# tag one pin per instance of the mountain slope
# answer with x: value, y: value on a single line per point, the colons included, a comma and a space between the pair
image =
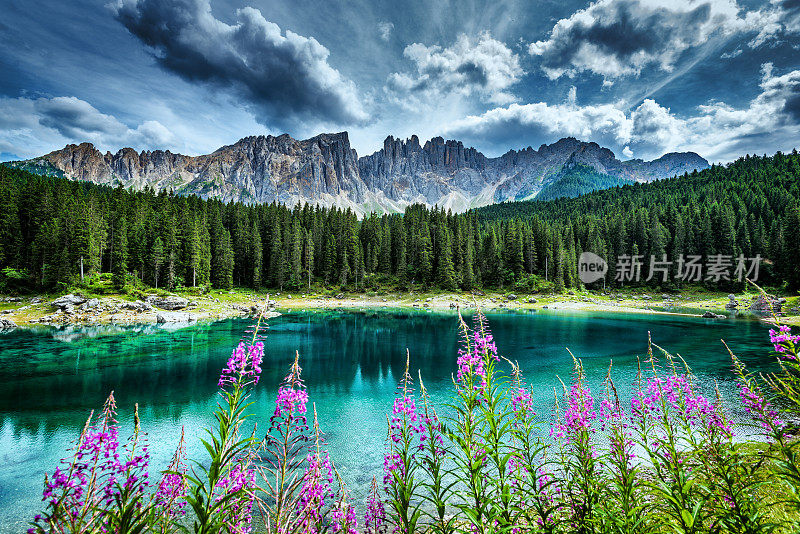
x: 325, y: 170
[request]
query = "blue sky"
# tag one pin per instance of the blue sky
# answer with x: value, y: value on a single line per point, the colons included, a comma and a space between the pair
x: 642, y: 77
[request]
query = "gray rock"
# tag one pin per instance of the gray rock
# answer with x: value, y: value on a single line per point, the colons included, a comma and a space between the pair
x: 731, y: 305
x: 90, y: 304
x: 765, y: 304
x: 174, y: 317
x: 511, y: 296
x: 712, y: 315
x: 7, y: 324
x: 137, y: 306
x: 731, y: 296
x: 68, y: 300
x: 532, y: 300
x: 170, y: 302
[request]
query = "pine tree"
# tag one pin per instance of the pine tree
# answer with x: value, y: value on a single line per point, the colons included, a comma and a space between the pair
x: 446, y: 276
x: 157, y: 258
x: 277, y: 256
x: 309, y: 258
x: 119, y: 254
x: 467, y: 274
x: 257, y: 254
x: 224, y: 261
x: 424, y: 265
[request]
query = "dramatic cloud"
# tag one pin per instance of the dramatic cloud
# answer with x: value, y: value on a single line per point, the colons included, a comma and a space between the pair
x: 385, y: 30
x: 604, y: 123
x: 614, y: 38
x: 282, y: 76
x: 28, y: 124
x: 485, y: 66
x: 718, y: 131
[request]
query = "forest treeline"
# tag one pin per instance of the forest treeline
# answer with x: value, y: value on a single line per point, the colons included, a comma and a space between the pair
x: 51, y: 228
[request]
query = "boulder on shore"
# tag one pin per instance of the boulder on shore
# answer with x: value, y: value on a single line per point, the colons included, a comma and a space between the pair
x: 7, y: 324
x: 68, y: 300
x: 170, y: 302
x: 765, y: 304
x: 712, y: 315
x: 174, y: 317
x: 138, y: 306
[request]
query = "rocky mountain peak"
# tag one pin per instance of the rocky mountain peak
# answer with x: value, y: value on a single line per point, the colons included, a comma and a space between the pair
x: 326, y: 170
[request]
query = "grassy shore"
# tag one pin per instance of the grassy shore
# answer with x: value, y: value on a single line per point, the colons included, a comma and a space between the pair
x: 216, y: 304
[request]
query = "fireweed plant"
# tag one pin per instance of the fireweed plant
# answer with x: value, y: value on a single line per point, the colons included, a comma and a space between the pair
x: 664, y: 461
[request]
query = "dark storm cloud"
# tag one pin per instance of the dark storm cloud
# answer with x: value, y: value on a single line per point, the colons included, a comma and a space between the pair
x: 283, y: 76
x: 792, y: 105
x: 789, y: 5
x: 621, y: 37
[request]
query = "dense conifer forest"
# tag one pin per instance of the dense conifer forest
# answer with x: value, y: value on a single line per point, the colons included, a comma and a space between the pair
x: 53, y: 228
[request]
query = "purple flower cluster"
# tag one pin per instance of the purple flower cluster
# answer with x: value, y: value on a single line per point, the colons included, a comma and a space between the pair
x: 522, y: 401
x: 96, y: 473
x: 238, y: 486
x: 675, y: 395
x: 244, y: 365
x: 375, y: 516
x: 784, y: 342
x: 170, y: 496
x: 316, y: 488
x: 344, y: 518
x: 761, y: 410
x: 578, y: 416
x: 404, y: 412
x: 290, y: 400
x: 405, y: 424
x: 472, y: 361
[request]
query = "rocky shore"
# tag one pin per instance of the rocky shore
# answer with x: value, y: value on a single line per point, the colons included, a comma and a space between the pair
x: 77, y: 309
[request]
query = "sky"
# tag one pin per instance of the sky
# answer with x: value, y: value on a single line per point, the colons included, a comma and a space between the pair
x: 641, y: 77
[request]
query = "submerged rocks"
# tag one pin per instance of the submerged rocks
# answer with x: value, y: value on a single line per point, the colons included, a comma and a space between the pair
x: 68, y: 300
x: 174, y: 317
x: 170, y: 302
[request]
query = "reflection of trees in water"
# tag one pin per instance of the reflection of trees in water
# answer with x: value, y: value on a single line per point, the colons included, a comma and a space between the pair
x: 336, y: 346
x: 49, y: 377
x: 38, y: 370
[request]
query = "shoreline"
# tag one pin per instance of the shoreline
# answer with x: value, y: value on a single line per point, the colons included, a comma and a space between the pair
x: 218, y: 305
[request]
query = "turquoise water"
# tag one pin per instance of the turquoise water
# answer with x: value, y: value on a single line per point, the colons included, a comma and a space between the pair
x: 51, y: 378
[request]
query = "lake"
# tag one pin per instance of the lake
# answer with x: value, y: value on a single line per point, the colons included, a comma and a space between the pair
x: 51, y: 378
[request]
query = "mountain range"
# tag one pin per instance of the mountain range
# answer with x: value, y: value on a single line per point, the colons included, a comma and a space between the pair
x: 325, y: 170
